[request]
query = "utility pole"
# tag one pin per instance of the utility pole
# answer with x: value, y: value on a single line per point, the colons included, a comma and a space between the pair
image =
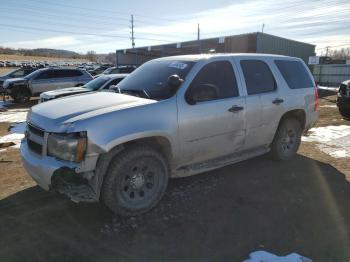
x: 199, y: 39
x: 262, y: 28
x: 327, y: 47
x: 132, y: 32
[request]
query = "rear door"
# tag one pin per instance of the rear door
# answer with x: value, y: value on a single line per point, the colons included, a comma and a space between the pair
x: 67, y: 78
x: 212, y: 128
x: 43, y: 82
x: 265, y: 99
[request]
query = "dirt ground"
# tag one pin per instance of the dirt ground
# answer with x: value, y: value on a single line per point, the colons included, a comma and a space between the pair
x: 298, y: 206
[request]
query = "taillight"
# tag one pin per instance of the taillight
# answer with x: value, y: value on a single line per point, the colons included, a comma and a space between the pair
x: 316, y: 99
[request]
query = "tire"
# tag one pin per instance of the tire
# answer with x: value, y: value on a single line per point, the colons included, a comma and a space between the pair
x: 345, y: 113
x: 21, y: 95
x: 287, y: 139
x: 136, y: 180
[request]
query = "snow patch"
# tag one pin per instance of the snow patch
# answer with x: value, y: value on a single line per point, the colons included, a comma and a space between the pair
x: 3, y: 104
x: 14, y: 115
x: 332, y: 140
x: 15, y: 136
x: 263, y: 256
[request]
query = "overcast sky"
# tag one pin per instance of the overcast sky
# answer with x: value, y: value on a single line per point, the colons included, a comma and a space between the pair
x: 104, y: 26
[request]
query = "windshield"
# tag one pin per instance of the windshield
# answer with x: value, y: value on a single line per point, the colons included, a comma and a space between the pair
x: 97, y: 83
x: 151, y: 78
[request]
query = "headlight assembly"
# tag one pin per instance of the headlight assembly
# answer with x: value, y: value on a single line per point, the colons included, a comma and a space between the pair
x: 70, y: 147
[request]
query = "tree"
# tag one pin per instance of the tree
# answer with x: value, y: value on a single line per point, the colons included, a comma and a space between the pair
x: 91, y: 56
x: 110, y: 58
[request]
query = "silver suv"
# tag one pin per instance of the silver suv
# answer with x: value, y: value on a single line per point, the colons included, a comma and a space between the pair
x: 42, y: 80
x: 173, y: 117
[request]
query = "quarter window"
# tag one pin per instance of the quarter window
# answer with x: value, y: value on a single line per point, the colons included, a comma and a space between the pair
x: 295, y: 74
x: 219, y: 74
x: 258, y: 77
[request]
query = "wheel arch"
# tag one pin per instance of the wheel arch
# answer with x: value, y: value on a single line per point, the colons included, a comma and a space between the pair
x: 298, y: 114
x: 158, y: 142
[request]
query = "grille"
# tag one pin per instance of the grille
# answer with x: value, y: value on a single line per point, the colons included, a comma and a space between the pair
x: 35, y: 139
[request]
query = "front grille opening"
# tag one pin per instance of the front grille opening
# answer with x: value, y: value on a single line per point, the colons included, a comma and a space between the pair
x: 36, y: 131
x: 35, y: 147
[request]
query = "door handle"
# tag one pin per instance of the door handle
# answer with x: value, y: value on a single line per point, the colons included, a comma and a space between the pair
x: 235, y: 109
x: 277, y: 101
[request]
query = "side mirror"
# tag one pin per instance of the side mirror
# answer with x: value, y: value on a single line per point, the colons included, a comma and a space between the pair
x: 201, y: 93
x: 174, y: 82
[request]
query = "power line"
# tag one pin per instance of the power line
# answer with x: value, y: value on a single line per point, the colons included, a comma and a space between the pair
x: 99, y: 10
x: 81, y: 33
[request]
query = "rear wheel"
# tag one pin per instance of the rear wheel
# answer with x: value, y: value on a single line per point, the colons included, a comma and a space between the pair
x: 136, y: 181
x: 287, y: 139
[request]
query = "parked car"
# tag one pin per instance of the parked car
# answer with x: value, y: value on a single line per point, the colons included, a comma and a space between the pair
x: 174, y: 117
x: 42, y: 80
x: 119, y: 70
x: 343, y: 99
x: 104, y: 82
x: 20, y: 72
x: 99, y: 69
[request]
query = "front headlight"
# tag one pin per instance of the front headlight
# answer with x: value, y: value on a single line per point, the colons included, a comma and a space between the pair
x: 70, y: 147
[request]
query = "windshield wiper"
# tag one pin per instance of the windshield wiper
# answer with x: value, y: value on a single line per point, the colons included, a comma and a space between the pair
x: 134, y: 92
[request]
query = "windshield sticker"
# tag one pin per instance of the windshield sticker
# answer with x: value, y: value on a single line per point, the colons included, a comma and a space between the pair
x: 178, y: 65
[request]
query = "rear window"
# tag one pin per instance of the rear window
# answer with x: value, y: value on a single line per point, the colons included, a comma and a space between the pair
x: 68, y: 73
x: 258, y: 77
x: 294, y: 73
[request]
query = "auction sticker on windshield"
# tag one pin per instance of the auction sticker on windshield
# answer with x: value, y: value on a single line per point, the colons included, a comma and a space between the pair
x: 178, y: 65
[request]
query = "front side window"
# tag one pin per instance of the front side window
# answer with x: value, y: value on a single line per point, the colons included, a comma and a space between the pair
x: 218, y: 75
x: 152, y: 78
x: 113, y: 82
x: 258, y: 77
x: 295, y: 74
x: 48, y: 74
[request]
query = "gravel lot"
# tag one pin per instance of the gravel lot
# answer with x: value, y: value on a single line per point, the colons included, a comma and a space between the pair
x: 299, y: 206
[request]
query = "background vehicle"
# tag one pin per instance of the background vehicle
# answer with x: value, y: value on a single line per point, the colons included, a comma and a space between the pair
x: 21, y: 89
x: 100, y: 83
x: 99, y: 69
x: 20, y: 72
x: 119, y: 70
x: 343, y: 99
x: 175, y: 117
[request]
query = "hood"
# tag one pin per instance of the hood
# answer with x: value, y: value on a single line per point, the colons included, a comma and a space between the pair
x: 65, y: 92
x: 54, y: 115
x: 14, y: 81
x: 346, y: 82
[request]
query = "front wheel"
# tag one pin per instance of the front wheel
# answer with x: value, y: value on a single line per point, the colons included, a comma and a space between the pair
x: 287, y: 139
x: 135, y: 181
x: 21, y: 95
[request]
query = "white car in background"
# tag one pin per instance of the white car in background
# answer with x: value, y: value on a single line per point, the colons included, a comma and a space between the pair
x: 101, y: 83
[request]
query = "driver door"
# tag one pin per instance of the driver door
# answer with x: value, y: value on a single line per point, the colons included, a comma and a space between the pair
x: 213, y: 127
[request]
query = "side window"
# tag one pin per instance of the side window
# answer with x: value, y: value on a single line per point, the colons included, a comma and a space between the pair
x: 47, y: 75
x: 295, y: 74
x: 258, y: 77
x: 221, y: 76
x: 68, y: 73
x: 113, y: 82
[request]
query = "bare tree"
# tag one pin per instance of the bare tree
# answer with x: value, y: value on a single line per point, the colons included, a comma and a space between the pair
x: 91, y: 56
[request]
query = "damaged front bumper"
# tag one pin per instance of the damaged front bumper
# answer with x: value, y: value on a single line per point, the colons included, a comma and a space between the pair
x: 54, y: 175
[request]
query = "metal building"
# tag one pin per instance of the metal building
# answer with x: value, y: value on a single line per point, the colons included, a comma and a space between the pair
x: 245, y: 43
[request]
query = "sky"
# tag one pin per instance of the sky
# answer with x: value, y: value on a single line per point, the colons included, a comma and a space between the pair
x: 104, y: 26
